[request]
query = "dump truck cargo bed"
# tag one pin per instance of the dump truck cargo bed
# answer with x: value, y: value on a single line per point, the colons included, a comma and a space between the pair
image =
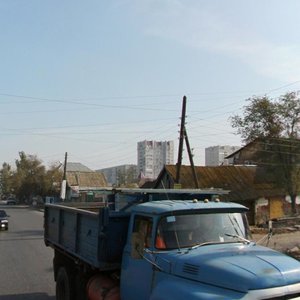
x: 89, y: 232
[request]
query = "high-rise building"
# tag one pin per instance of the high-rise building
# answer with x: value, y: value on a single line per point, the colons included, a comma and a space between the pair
x: 152, y: 156
x: 215, y: 155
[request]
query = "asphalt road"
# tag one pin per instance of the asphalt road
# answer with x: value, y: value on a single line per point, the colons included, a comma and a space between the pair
x: 25, y: 262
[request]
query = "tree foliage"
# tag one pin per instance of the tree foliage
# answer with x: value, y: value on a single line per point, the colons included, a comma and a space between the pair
x: 260, y: 119
x: 127, y: 177
x: 277, y: 123
x: 30, y: 178
x: 6, y: 176
x: 264, y: 117
x: 288, y: 108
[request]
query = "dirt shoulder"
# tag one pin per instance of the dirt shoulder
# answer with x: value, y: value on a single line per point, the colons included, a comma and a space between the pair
x: 283, y: 241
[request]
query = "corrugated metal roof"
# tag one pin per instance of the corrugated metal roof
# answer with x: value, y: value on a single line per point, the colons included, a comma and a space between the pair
x: 86, y: 179
x: 77, y: 167
x: 244, y: 182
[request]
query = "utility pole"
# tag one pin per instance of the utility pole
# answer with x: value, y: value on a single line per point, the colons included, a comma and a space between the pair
x: 183, y: 136
x: 64, y: 181
x: 65, y: 166
x: 191, y: 159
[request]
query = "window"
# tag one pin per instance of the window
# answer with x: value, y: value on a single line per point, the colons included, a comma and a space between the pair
x: 144, y: 225
x: 188, y: 230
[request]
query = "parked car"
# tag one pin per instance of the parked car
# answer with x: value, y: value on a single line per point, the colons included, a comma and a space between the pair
x: 11, y: 202
x: 3, y: 220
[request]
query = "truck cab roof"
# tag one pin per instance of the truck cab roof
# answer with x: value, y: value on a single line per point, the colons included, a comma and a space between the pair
x: 168, y: 206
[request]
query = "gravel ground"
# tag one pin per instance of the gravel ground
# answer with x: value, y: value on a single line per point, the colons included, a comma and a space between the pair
x: 286, y: 242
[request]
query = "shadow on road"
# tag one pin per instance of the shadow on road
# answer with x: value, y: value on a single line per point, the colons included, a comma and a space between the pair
x: 22, y: 235
x: 33, y: 296
x: 39, y: 232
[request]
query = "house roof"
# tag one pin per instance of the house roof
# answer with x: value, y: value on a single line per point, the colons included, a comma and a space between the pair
x: 86, y: 180
x: 264, y: 141
x: 237, y: 151
x: 77, y: 167
x: 244, y: 182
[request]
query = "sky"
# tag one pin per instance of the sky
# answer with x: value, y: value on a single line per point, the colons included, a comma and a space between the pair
x: 93, y: 78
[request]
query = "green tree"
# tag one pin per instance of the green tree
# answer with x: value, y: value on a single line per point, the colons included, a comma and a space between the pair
x: 53, y: 180
x: 288, y: 108
x: 6, y: 179
x: 132, y: 178
x: 126, y: 177
x: 276, y: 123
x: 260, y: 119
x: 29, y: 177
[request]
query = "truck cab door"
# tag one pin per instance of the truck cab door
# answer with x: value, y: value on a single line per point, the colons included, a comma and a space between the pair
x: 137, y: 272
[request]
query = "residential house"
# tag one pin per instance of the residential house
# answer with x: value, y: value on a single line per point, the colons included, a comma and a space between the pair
x: 276, y: 155
x: 82, y: 183
x: 248, y: 185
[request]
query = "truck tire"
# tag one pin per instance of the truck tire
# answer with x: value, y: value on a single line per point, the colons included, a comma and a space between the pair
x: 80, y: 283
x: 64, y: 285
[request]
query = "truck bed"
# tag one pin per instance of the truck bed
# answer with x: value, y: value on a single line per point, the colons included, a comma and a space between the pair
x: 88, y: 232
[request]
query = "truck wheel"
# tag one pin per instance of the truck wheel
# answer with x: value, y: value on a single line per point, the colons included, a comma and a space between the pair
x: 80, y: 283
x: 64, y: 287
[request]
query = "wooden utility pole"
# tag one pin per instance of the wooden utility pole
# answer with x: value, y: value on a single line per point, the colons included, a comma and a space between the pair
x: 65, y: 166
x: 191, y: 159
x: 63, y: 187
x: 183, y: 136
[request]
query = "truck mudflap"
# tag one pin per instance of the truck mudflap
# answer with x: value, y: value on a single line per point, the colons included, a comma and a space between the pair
x: 180, y: 288
x: 102, y: 287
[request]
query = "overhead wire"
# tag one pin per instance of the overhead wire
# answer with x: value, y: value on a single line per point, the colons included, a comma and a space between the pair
x: 168, y: 131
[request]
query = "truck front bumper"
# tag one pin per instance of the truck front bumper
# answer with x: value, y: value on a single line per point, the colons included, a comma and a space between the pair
x: 291, y: 292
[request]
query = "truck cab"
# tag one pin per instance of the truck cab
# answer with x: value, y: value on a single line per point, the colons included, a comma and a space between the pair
x: 201, y: 250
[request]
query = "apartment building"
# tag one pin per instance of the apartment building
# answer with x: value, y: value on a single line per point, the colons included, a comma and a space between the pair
x: 152, y: 156
x: 215, y: 155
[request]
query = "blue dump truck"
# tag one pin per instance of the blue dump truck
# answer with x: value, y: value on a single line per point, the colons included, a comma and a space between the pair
x: 197, y: 248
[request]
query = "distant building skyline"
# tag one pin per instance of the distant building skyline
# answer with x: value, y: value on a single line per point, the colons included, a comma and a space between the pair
x: 215, y: 155
x: 114, y: 175
x: 152, y: 156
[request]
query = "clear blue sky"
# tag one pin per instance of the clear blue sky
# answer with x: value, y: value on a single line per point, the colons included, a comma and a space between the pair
x: 92, y: 78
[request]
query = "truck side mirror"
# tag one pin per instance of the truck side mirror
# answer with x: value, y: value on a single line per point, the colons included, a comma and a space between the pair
x: 137, y: 245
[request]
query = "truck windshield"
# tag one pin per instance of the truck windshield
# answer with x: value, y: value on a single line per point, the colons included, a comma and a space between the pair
x: 188, y: 230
